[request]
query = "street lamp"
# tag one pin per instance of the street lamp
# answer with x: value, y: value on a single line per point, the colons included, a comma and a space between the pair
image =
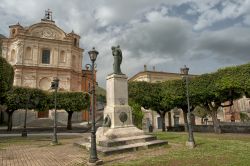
x: 24, y: 132
x: 55, y: 85
x: 190, y: 142
x: 93, y: 159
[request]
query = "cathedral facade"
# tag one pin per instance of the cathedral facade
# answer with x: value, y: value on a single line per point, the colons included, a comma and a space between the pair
x: 41, y: 52
x: 38, y: 54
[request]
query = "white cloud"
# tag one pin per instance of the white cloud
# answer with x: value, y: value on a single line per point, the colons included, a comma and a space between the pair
x: 104, y: 15
x: 146, y: 30
x: 210, y: 12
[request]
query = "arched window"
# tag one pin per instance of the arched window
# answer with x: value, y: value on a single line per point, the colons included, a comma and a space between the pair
x: 75, y: 42
x: 62, y: 57
x: 13, y: 55
x: 28, y: 54
x: 46, y: 56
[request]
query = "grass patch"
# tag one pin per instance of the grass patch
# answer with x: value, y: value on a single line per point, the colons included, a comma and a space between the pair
x: 211, y: 149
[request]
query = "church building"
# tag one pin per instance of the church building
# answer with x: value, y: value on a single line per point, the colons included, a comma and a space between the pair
x: 41, y: 52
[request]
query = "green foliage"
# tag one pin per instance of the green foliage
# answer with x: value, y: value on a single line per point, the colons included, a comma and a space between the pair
x: 22, y: 98
x: 0, y: 48
x: 100, y: 91
x: 70, y: 101
x: 174, y: 93
x: 141, y: 93
x: 150, y: 95
x: 235, y: 78
x: 6, y: 76
x: 200, y: 112
x: 207, y: 90
x: 100, y: 98
x: 137, y: 114
x: 244, y: 117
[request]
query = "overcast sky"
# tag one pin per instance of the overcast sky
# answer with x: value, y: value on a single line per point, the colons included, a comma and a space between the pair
x: 203, y: 34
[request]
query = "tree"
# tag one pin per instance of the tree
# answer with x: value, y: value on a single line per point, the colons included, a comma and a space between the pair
x: 137, y: 114
x: 200, y: 112
x: 149, y: 95
x: 6, y: 81
x: 101, y: 99
x: 71, y: 102
x: 244, y: 117
x: 6, y: 77
x: 175, y: 93
x: 140, y: 93
x: 209, y: 92
x: 23, y: 98
x: 0, y: 47
x: 235, y: 78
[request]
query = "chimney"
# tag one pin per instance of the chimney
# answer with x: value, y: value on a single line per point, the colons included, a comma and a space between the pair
x: 145, y: 67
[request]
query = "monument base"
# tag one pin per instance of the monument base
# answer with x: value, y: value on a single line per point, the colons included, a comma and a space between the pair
x: 118, y: 133
x: 107, y: 134
x: 124, y: 141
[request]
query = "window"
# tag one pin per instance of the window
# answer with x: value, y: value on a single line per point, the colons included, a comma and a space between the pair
x: 28, y: 54
x: 46, y: 56
x: 62, y: 57
x: 75, y: 42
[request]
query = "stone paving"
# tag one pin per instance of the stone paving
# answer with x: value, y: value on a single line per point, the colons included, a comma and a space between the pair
x: 41, y: 153
x: 36, y: 150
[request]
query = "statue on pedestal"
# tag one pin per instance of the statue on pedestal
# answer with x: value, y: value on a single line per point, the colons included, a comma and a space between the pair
x: 117, y: 53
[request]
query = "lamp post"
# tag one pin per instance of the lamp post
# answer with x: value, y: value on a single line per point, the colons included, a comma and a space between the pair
x: 93, y: 159
x: 190, y: 142
x: 55, y: 85
x: 24, y: 132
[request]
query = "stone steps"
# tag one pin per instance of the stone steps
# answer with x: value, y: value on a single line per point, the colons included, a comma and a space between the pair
x: 126, y: 144
x: 127, y: 140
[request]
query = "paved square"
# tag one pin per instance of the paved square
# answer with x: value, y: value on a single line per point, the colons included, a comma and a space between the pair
x: 41, y: 153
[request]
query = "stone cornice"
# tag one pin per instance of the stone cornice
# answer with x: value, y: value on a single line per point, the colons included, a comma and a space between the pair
x: 155, y: 74
x: 47, y: 68
x: 36, y: 39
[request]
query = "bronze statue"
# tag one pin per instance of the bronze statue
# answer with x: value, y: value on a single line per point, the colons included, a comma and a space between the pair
x: 117, y: 53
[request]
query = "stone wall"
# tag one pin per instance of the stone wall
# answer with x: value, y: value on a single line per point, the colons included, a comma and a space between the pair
x: 225, y: 128
x: 18, y: 117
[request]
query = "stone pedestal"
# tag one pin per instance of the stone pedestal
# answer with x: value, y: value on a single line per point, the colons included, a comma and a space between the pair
x: 117, y: 110
x: 118, y: 133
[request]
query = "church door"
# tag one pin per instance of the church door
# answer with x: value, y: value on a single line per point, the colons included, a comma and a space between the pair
x: 43, y: 114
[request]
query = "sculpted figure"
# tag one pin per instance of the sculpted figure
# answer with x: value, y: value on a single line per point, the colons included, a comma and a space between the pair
x: 117, y: 53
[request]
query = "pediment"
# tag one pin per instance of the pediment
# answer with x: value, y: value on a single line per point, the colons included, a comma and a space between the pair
x: 48, y: 31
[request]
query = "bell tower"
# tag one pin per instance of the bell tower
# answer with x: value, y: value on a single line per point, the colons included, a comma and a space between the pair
x: 48, y: 16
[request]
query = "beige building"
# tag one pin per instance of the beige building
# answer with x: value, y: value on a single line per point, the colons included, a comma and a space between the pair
x: 42, y: 51
x: 151, y: 117
x: 174, y: 117
x: 232, y: 114
x: 226, y: 114
x: 154, y: 76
